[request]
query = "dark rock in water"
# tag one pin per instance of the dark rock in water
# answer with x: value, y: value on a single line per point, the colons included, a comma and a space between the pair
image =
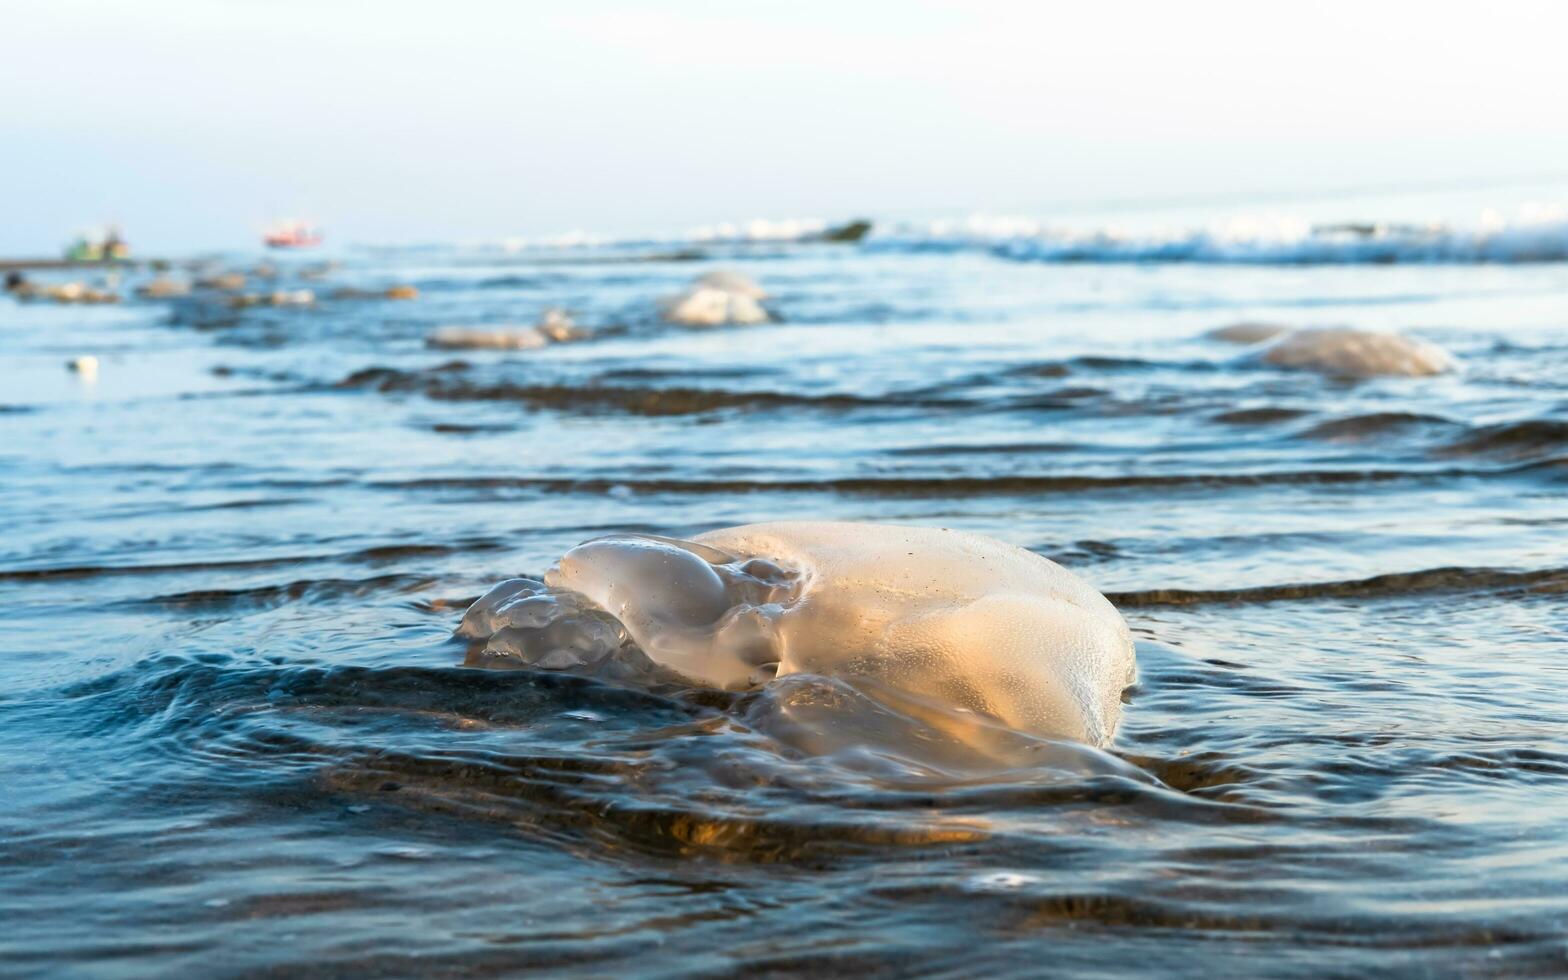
x: 851, y: 231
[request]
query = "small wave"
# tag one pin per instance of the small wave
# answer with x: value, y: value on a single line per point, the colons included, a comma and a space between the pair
x: 652, y: 771
x: 990, y: 449
x: 302, y: 590
x: 594, y: 397
x: 1265, y: 415
x: 510, y: 282
x: 381, y: 553
x: 1512, y: 440
x: 1356, y: 428
x: 1548, y: 581
x: 937, y: 487
x: 1102, y: 363
x: 756, y: 231
x: 717, y: 373
x: 1538, y: 236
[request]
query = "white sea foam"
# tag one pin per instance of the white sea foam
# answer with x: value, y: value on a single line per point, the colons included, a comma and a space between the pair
x: 760, y: 230
x: 958, y: 631
x: 754, y: 231
x: 1537, y: 234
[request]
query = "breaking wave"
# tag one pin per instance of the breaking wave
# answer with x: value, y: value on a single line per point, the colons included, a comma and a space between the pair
x: 1539, y: 235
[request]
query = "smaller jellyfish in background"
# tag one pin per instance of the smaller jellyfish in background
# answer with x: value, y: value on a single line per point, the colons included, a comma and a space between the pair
x: 716, y: 299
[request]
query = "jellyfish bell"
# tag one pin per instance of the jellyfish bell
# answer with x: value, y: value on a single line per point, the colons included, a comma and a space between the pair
x: 940, y: 626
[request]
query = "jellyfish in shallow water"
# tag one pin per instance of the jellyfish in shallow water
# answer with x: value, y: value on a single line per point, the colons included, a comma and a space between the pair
x: 942, y: 626
x: 1352, y: 353
x: 718, y: 298
x: 1339, y: 351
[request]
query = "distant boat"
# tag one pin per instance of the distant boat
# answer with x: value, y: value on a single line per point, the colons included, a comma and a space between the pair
x: 105, y: 246
x: 292, y: 234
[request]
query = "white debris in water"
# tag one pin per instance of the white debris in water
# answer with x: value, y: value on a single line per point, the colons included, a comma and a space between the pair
x: 715, y: 299
x: 1351, y: 353
x: 954, y: 629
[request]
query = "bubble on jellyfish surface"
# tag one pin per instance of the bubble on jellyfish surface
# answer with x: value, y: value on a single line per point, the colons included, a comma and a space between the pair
x: 970, y: 637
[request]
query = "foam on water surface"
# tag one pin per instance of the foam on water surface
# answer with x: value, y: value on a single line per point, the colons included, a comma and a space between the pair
x: 959, y: 631
x: 1533, y: 234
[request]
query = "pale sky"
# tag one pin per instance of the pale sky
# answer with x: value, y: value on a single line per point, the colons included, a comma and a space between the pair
x: 194, y: 121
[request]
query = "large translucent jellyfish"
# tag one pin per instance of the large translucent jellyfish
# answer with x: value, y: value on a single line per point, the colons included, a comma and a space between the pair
x: 942, y: 626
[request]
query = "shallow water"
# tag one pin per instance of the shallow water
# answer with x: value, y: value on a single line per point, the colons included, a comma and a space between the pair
x: 236, y: 737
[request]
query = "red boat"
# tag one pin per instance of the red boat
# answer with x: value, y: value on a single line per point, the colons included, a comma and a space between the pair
x: 292, y: 234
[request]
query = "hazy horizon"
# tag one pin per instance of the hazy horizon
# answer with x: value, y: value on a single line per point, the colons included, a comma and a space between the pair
x: 193, y: 124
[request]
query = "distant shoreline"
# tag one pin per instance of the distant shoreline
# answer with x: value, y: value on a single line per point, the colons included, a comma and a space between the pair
x: 17, y: 265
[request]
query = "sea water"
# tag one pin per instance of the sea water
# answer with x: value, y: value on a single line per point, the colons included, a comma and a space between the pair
x: 237, y: 734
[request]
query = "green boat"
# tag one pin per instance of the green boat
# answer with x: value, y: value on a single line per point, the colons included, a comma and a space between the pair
x: 108, y: 247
